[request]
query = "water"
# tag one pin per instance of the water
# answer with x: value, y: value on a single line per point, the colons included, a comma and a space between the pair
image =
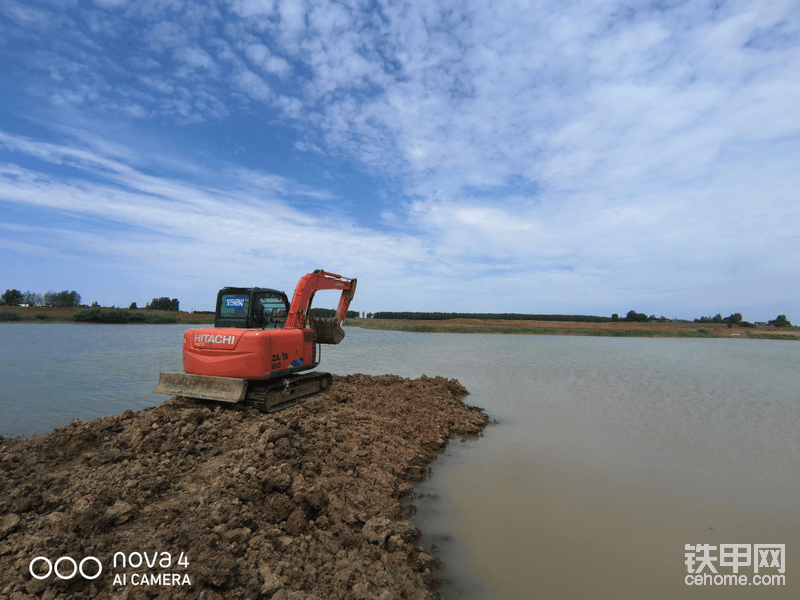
x: 611, y: 453
x: 56, y: 372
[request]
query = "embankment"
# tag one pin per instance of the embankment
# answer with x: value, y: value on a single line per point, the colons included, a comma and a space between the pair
x: 50, y: 314
x: 304, y: 504
x: 608, y: 329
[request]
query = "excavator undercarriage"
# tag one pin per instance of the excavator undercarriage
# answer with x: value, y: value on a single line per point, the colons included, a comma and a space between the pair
x: 266, y: 396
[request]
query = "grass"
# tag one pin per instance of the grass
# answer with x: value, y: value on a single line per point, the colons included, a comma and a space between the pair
x: 773, y: 336
x: 701, y: 333
x: 624, y: 333
x: 119, y: 315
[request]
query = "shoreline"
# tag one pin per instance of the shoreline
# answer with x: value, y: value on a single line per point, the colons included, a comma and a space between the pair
x: 575, y: 328
x: 53, y: 314
x: 251, y: 501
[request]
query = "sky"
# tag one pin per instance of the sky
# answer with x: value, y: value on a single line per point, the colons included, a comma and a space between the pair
x: 589, y: 157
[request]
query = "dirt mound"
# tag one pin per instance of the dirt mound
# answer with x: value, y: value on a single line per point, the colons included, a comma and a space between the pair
x: 201, y: 500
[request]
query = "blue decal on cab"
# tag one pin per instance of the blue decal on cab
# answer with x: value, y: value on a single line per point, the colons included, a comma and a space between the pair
x: 234, y: 302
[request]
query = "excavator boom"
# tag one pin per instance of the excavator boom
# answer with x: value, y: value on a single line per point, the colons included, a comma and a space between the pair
x: 311, y: 284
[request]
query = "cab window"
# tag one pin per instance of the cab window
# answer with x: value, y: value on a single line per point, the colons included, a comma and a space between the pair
x: 273, y: 310
x: 234, y: 306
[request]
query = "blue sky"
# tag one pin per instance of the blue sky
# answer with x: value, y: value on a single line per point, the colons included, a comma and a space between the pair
x: 547, y: 157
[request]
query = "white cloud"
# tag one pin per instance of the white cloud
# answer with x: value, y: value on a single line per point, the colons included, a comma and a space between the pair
x: 252, y: 8
x: 157, y: 84
x: 260, y: 55
x: 194, y: 58
x: 111, y: 4
x: 167, y: 34
x: 136, y: 111
x: 292, y: 21
x: 30, y: 17
x: 253, y: 85
x: 257, y: 53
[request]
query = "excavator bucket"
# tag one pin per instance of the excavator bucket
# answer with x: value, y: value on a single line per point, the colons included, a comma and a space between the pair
x: 329, y: 331
x: 222, y: 389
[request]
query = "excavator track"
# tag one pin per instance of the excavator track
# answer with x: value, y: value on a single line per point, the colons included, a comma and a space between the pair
x: 269, y: 397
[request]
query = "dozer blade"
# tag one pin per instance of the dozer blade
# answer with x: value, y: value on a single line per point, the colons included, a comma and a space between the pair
x: 222, y: 389
x: 328, y: 330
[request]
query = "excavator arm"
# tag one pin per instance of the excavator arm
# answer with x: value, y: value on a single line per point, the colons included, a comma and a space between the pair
x: 308, y: 286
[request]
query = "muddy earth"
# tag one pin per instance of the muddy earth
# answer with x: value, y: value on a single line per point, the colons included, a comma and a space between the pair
x: 201, y: 500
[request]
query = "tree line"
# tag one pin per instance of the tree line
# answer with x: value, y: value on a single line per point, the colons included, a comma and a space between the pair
x: 736, y: 319
x: 631, y: 316
x: 68, y: 299
x: 329, y: 312
x: 163, y: 304
x: 17, y: 298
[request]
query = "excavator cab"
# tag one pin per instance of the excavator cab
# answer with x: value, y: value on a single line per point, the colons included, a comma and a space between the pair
x: 251, y: 308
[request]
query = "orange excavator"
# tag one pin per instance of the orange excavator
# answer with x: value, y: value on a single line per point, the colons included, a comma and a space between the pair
x: 260, y: 345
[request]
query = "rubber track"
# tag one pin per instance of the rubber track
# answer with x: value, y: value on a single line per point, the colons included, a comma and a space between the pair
x: 284, y: 393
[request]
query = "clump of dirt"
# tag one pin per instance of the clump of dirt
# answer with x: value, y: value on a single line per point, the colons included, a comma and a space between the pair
x: 201, y: 500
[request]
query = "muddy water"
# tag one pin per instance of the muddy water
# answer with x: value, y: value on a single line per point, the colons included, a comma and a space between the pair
x: 611, y: 454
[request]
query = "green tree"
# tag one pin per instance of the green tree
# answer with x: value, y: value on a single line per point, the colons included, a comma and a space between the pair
x: 734, y: 319
x: 164, y: 303
x: 62, y: 299
x: 634, y: 316
x: 781, y: 321
x: 615, y: 317
x: 133, y: 306
x: 12, y: 297
x: 32, y: 299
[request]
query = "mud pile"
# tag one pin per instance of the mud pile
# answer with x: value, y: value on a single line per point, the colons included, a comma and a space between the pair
x: 193, y: 500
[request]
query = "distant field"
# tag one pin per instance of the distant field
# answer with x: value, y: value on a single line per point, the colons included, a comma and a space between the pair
x: 614, y: 329
x: 44, y: 314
